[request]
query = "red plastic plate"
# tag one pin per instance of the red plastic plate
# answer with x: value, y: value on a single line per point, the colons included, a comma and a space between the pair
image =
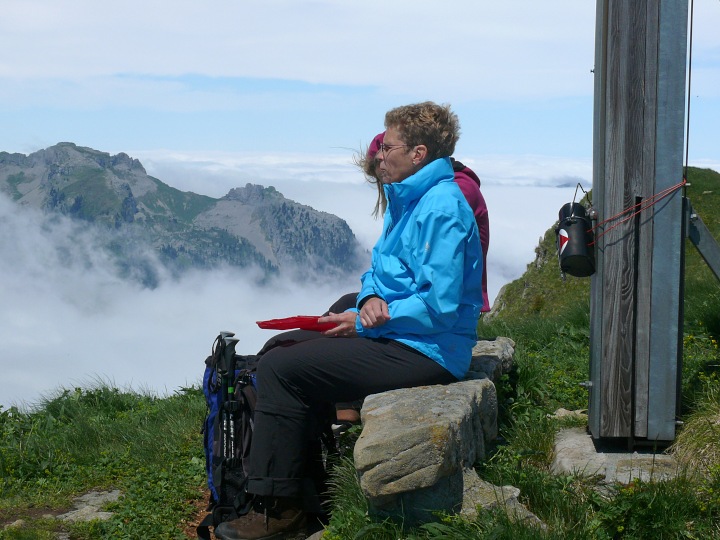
x: 304, y: 322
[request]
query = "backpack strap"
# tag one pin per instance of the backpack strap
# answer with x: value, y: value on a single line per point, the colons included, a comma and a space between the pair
x: 233, y: 482
x: 203, y: 528
x: 247, y: 399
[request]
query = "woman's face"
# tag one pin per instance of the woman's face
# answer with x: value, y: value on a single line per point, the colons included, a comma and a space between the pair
x: 394, y: 159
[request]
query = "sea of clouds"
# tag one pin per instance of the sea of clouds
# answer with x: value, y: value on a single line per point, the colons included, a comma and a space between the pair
x: 67, y: 320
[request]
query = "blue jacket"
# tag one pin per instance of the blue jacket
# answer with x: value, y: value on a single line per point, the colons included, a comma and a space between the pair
x: 427, y: 265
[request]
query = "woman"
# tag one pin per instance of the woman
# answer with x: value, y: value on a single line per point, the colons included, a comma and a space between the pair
x: 414, y: 324
x: 469, y: 183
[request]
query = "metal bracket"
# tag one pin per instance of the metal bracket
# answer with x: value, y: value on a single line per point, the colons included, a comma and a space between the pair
x: 700, y: 236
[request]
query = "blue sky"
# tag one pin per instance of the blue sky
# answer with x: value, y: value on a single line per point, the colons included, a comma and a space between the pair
x: 212, y: 95
x: 313, y: 77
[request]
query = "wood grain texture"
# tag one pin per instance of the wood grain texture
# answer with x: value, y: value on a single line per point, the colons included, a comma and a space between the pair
x: 631, y: 70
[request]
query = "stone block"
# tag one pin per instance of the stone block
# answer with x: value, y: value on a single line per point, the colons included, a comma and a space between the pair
x: 418, y: 445
x: 423, y: 438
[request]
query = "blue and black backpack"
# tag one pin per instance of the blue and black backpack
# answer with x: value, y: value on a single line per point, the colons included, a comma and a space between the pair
x: 230, y: 388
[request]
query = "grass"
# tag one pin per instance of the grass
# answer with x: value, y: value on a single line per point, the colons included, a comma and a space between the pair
x: 697, y: 443
x: 102, y: 438
x: 185, y: 205
x: 99, y: 202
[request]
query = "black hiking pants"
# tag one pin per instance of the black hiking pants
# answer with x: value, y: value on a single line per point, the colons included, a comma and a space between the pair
x: 296, y: 382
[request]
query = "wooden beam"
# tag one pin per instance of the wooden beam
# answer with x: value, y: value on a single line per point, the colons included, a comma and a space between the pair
x: 635, y: 298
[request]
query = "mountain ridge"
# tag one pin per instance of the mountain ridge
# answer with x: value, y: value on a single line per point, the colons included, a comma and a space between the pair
x: 249, y: 226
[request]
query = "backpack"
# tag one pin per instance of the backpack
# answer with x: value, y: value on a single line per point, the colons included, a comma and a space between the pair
x: 230, y: 389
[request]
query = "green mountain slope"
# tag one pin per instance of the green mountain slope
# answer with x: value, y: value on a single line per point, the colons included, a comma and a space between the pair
x: 542, y: 293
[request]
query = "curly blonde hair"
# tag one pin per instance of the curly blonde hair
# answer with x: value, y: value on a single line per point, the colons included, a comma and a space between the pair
x: 427, y: 123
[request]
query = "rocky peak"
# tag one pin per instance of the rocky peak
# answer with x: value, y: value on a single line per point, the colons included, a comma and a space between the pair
x: 253, y: 194
x: 67, y: 154
x: 7, y: 158
x: 123, y: 161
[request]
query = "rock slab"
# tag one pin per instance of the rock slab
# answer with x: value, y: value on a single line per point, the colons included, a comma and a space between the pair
x: 87, y: 507
x: 418, y: 445
x: 576, y: 454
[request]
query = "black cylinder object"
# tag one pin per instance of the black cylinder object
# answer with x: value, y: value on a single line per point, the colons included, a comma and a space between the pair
x: 575, y: 241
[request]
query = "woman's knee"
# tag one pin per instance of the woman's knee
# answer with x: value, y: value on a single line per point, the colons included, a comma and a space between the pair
x: 276, y: 363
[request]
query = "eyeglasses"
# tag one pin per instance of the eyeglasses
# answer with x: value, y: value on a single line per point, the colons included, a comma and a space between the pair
x: 387, y: 148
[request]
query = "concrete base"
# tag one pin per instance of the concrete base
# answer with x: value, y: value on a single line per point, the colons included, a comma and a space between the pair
x: 577, y: 453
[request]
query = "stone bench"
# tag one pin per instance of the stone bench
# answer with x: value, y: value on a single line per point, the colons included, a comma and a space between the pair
x: 418, y: 445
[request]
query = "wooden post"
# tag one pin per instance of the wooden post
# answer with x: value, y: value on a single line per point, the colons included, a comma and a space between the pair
x: 636, y: 293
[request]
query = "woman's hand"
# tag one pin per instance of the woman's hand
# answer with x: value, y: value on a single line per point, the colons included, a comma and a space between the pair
x: 374, y: 313
x: 345, y: 324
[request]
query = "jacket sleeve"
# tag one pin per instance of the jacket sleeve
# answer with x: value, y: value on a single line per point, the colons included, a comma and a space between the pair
x: 368, y: 286
x: 437, y: 261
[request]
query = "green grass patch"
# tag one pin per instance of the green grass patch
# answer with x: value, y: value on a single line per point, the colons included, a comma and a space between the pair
x: 149, y: 448
x: 168, y: 200
x: 93, y: 199
x: 13, y: 181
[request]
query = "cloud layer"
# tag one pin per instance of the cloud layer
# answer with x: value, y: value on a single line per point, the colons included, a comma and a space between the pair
x: 67, y: 320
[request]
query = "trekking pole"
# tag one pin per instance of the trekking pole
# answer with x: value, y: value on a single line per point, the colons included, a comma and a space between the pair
x: 219, y: 347
x: 218, y: 354
x: 229, y: 402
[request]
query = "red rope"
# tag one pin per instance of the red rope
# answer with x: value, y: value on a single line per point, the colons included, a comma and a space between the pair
x: 644, y: 205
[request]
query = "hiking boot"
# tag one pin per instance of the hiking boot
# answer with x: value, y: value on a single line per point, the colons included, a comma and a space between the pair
x: 282, y: 519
